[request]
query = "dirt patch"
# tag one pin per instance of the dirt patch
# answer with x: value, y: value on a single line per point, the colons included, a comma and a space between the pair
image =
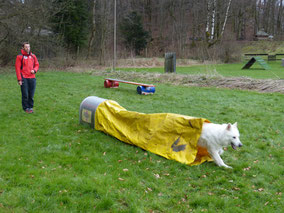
x: 81, y: 65
x: 242, y: 83
x: 157, y: 62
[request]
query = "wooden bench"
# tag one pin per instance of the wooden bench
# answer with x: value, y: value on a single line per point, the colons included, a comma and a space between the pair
x: 142, y: 89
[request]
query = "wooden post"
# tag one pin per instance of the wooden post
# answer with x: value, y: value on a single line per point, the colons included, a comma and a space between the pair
x: 282, y: 62
x: 170, y: 62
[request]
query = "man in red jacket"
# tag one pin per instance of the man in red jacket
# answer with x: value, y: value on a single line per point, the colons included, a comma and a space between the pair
x: 26, y: 67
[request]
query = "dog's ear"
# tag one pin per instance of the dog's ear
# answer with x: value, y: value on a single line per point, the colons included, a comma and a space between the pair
x: 229, y: 126
x: 235, y: 124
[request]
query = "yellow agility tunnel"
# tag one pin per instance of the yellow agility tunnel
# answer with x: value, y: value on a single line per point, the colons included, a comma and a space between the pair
x: 170, y: 135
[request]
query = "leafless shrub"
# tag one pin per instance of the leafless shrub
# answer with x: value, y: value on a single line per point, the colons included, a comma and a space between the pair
x: 229, y: 52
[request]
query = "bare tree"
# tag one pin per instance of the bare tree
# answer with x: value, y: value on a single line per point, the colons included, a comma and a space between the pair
x: 104, y: 36
x: 226, y: 18
x: 93, y: 28
x: 279, y: 21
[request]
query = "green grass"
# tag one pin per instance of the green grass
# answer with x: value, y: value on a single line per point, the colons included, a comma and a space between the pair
x: 50, y: 163
x: 227, y: 70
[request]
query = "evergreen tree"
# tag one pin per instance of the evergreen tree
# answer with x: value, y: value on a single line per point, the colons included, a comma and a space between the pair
x: 71, y: 22
x: 133, y: 33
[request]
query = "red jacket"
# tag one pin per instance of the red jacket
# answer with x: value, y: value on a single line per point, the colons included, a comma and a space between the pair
x: 30, y: 63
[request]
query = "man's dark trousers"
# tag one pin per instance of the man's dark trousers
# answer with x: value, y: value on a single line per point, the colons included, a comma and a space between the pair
x: 28, y: 91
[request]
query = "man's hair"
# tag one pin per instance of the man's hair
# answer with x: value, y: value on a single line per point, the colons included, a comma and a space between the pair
x: 24, y: 43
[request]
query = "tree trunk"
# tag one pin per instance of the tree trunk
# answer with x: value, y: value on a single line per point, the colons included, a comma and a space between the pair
x: 93, y: 32
x: 208, y: 17
x: 213, y: 20
x: 226, y: 18
x: 279, y: 18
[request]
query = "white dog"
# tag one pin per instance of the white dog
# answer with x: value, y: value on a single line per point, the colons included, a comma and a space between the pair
x: 216, y: 136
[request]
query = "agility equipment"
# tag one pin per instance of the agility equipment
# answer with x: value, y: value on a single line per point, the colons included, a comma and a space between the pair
x: 142, y: 89
x: 258, y: 59
x: 88, y: 108
x: 172, y: 136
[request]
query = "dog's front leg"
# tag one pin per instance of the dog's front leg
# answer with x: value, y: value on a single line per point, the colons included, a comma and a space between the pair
x: 221, y: 151
x: 218, y: 160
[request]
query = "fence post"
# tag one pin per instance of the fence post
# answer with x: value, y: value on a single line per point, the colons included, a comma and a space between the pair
x: 170, y: 62
x: 282, y: 62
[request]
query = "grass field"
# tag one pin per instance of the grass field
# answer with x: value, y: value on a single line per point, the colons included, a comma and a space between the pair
x: 50, y: 163
x: 227, y: 70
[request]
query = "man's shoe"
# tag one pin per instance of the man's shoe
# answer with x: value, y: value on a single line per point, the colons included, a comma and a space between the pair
x: 31, y: 110
x: 27, y: 110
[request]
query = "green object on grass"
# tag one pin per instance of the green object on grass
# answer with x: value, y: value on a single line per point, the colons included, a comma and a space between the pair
x: 258, y: 59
